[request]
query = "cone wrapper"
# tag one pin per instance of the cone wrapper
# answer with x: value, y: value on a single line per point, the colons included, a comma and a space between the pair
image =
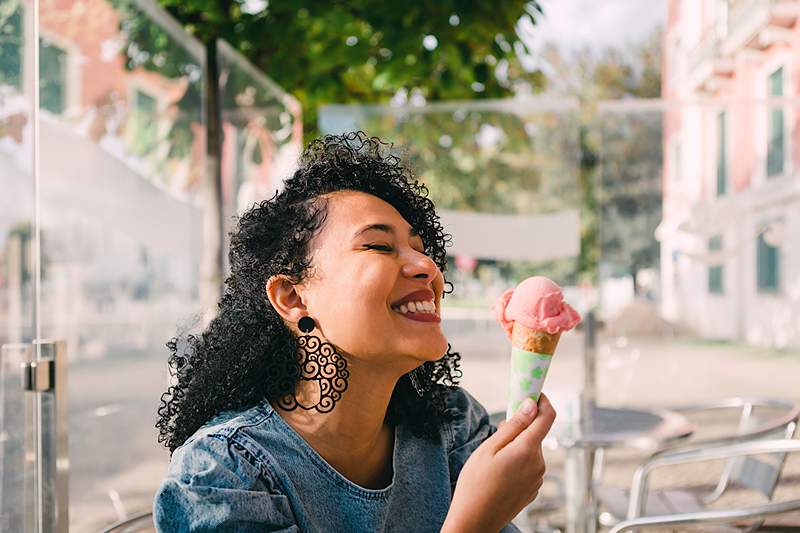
x: 531, y: 354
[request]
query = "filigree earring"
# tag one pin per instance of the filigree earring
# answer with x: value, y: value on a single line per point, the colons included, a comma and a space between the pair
x: 320, y: 362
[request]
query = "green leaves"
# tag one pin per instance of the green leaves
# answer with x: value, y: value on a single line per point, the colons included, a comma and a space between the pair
x: 366, y: 50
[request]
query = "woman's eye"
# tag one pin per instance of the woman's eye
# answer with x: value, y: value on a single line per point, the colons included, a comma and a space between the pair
x: 380, y: 247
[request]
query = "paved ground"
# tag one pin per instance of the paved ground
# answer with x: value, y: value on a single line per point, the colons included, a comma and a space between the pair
x: 649, y: 373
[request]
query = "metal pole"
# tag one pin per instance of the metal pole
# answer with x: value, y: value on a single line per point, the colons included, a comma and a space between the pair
x: 589, y: 391
x: 580, y: 505
x: 579, y: 462
x: 46, y: 378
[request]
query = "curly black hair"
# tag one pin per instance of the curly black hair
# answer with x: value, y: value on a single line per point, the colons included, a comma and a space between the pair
x: 247, y: 354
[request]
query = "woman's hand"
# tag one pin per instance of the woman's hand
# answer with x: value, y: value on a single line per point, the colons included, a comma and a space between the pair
x: 504, y: 474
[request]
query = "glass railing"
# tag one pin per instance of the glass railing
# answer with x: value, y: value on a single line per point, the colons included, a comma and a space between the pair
x: 122, y: 137
x: 102, y: 238
x: 698, y: 265
x: 17, y: 269
x: 507, y: 181
x: 262, y: 134
x: 687, y: 250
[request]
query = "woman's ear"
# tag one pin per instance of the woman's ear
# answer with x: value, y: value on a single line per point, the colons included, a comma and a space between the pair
x: 285, y: 298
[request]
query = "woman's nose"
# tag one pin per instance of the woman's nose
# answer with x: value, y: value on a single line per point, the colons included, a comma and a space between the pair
x: 420, y: 266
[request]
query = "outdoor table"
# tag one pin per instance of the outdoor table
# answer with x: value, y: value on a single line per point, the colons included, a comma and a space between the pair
x: 606, y: 427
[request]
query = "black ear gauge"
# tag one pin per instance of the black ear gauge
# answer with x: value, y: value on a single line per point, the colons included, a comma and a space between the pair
x: 306, y: 324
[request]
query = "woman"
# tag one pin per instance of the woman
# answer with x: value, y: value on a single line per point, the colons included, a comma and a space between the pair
x: 323, y: 396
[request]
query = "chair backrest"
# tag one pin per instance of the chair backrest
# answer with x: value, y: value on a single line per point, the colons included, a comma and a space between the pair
x: 752, y: 473
x: 762, y: 474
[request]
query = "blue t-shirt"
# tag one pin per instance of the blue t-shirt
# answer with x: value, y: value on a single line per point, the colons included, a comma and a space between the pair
x: 250, y: 471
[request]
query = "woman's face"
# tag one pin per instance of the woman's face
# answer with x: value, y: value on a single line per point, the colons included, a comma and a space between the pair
x: 365, y: 260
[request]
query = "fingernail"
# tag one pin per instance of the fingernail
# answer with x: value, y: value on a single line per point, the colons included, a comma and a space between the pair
x: 527, y: 406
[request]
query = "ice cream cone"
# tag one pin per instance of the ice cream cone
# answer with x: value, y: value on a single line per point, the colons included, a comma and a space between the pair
x: 531, y: 354
x: 532, y: 340
x: 533, y: 315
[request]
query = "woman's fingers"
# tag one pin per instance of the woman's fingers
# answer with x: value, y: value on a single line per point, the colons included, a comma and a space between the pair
x: 508, y: 431
x: 535, y: 433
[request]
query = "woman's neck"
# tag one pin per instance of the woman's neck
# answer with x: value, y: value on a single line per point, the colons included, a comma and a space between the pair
x: 354, y: 437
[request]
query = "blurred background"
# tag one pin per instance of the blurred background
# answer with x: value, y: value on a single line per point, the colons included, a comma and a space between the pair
x: 643, y: 154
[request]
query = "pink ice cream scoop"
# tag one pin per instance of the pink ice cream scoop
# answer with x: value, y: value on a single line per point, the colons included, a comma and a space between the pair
x: 536, y: 303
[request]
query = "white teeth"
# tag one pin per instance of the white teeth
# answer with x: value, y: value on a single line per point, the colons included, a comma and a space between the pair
x: 417, y: 307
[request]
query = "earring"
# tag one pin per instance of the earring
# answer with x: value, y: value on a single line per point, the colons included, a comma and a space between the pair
x: 421, y: 379
x: 320, y: 362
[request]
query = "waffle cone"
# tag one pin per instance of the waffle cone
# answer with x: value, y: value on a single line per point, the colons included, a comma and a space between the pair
x: 532, y: 340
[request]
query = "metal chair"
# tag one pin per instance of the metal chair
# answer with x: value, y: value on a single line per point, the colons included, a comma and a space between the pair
x: 753, y: 473
x: 140, y: 522
x: 675, y: 506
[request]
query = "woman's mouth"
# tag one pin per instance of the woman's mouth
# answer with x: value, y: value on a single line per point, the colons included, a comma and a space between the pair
x: 419, y: 311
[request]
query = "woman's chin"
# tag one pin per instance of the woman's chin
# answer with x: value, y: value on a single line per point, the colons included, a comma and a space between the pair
x: 432, y: 351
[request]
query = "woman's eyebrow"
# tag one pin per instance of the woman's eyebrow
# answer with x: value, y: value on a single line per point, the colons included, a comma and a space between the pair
x: 388, y: 228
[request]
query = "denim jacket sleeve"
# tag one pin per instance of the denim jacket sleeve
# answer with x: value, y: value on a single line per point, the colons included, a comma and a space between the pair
x: 468, y: 431
x: 215, y: 484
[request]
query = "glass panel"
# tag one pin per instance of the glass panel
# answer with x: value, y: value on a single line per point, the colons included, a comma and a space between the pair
x: 776, y: 83
x: 768, y: 264
x: 775, y: 149
x: 506, y: 180
x: 17, y: 273
x: 121, y: 224
x: 262, y: 134
x: 629, y: 195
x: 715, y: 273
x: 17, y: 469
x: 718, y: 282
x: 776, y: 144
x: 52, y: 77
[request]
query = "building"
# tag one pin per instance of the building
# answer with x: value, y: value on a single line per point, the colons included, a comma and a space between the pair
x: 730, y: 250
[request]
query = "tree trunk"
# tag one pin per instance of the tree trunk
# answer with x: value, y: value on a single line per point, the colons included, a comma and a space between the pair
x: 212, y: 258
x: 634, y: 272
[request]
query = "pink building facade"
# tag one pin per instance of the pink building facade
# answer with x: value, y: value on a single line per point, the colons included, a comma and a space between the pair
x: 730, y: 233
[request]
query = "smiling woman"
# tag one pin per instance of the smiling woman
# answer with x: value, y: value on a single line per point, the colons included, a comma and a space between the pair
x: 323, y: 396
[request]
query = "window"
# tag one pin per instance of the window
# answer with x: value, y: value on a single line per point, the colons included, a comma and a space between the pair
x: 715, y: 272
x: 11, y: 46
x: 145, y: 104
x: 767, y: 265
x: 143, y: 128
x: 776, y: 141
x: 52, y: 77
x: 722, y: 159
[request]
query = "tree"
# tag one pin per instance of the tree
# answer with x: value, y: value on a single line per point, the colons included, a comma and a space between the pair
x: 331, y: 52
x: 366, y: 51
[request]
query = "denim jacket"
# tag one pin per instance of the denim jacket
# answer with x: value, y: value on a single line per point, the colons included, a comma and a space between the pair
x: 250, y: 471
